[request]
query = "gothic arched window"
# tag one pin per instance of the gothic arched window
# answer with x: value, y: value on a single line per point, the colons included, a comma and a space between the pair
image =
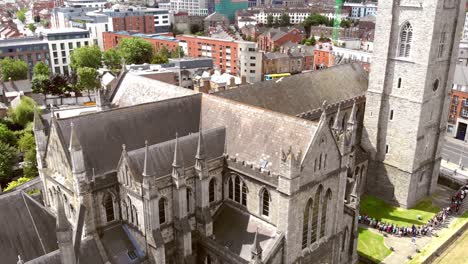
x: 109, y: 207
x: 240, y: 190
x: 305, y: 224
x: 211, y: 190
x: 315, y: 214
x: 134, y: 216
x: 265, y: 202
x: 325, y: 205
x: 406, y: 36
x: 162, y: 211
x: 189, y: 198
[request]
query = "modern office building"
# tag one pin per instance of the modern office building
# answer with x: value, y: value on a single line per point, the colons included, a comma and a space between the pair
x: 28, y: 49
x: 61, y: 42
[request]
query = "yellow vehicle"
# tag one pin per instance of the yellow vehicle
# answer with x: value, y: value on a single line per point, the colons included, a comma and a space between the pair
x: 269, y: 77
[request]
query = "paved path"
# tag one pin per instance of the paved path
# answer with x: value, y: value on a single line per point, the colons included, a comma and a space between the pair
x: 403, y: 247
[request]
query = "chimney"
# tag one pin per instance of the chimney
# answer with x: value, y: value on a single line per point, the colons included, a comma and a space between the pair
x: 243, y: 80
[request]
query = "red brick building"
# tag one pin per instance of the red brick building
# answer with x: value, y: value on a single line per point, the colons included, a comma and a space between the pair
x: 140, y: 24
x: 275, y: 37
x: 323, y: 58
x: 111, y: 39
x: 458, y: 111
x: 223, y: 52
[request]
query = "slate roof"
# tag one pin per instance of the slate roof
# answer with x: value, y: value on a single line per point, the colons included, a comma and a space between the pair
x: 460, y: 76
x: 160, y: 156
x: 134, y: 89
x: 89, y: 253
x: 17, y: 86
x: 25, y: 228
x: 117, y: 245
x: 102, y: 134
x: 236, y: 230
x: 303, y: 92
x: 256, y: 135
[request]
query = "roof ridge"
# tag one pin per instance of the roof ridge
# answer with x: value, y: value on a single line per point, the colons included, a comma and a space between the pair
x: 33, y: 222
x: 126, y: 107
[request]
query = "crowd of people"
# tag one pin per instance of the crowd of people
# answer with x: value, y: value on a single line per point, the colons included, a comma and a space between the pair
x: 412, y: 231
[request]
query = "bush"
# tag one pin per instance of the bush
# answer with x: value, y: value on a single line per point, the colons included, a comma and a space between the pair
x: 17, y: 183
x: 27, y: 145
x: 24, y: 112
x: 8, y: 157
x: 7, y: 136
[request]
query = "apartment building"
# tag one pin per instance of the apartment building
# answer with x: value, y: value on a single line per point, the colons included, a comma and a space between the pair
x: 28, y: 49
x: 112, y: 39
x: 61, y: 43
x: 297, y: 14
x: 250, y: 61
x: 86, y: 3
x: 458, y: 111
x: 359, y: 10
x: 225, y: 53
x: 192, y: 7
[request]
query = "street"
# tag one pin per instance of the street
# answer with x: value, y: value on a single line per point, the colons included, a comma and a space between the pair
x: 453, y: 149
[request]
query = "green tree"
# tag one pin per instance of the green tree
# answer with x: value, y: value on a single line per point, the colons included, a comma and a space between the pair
x: 24, y: 112
x: 314, y: 20
x: 86, y: 56
x: 21, y: 15
x: 87, y: 79
x: 112, y: 59
x: 58, y: 85
x: 8, y: 157
x: 41, y: 69
x: 27, y: 145
x: 32, y: 27
x: 135, y: 50
x: 345, y: 23
x: 40, y: 84
x: 311, y: 42
x: 18, y: 182
x: 195, y: 28
x: 7, y: 136
x: 178, y: 53
x: 285, y: 20
x: 45, y: 23
x: 276, y: 22
x: 270, y: 20
x: 14, y: 69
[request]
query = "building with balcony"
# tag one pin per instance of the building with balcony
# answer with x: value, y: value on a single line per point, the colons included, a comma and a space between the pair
x: 458, y: 111
x: 28, y: 49
x: 61, y: 43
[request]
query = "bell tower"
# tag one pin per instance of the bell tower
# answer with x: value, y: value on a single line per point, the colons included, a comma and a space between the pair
x: 416, y: 45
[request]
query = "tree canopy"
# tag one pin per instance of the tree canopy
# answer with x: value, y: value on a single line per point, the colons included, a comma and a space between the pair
x: 27, y: 145
x: 41, y: 69
x: 21, y: 15
x: 112, y: 59
x: 8, y: 157
x: 87, y: 78
x: 285, y: 20
x: 270, y: 20
x: 24, y: 112
x: 32, y: 27
x: 135, y: 50
x: 14, y: 69
x: 86, y: 56
x: 7, y: 136
x: 316, y: 20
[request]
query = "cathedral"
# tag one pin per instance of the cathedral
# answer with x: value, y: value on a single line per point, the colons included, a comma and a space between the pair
x: 268, y: 173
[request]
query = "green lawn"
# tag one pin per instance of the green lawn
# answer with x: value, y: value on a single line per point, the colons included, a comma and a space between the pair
x: 378, y: 209
x: 371, y: 245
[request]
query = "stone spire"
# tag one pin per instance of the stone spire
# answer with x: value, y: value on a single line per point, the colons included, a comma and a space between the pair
x: 352, y: 117
x: 145, y: 163
x: 256, y: 251
x: 20, y: 261
x: 336, y: 124
x: 62, y: 221
x: 324, y: 106
x: 178, y: 159
x: 64, y: 235
x: 74, y: 141
x: 201, y: 147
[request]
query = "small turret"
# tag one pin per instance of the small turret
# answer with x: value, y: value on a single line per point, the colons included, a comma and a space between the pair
x: 77, y: 158
x: 256, y: 251
x: 336, y: 125
x: 101, y: 100
x: 64, y: 235
x: 178, y: 171
x: 145, y: 162
x: 200, y: 162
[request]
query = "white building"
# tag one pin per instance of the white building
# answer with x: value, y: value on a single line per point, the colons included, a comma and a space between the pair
x: 61, y: 43
x: 85, y: 3
x: 359, y: 10
x: 297, y: 15
x: 351, y: 55
x: 250, y: 61
x: 192, y: 7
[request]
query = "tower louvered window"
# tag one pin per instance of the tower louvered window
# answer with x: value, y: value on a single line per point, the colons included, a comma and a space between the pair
x: 266, y: 203
x: 212, y: 190
x: 406, y: 37
x: 162, y: 211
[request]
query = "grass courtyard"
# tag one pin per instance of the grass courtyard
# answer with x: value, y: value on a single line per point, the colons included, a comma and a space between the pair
x: 371, y: 245
x: 376, y: 208
x: 456, y: 253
